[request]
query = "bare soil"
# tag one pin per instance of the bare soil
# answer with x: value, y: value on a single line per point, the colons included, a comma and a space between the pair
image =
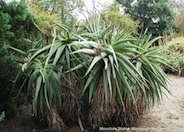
x: 166, y: 117
x: 169, y: 115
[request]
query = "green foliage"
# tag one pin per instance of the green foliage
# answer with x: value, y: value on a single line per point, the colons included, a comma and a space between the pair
x: 46, y: 18
x: 181, y: 62
x: 154, y: 15
x: 60, y: 11
x: 21, y: 25
x: 179, y: 20
x: 174, y: 52
x: 178, y: 8
x: 15, y: 26
x: 112, y: 15
x: 4, y: 32
x: 56, y: 7
x: 2, y: 116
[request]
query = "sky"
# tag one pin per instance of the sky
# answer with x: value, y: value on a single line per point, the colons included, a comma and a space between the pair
x: 99, y: 4
x: 89, y: 3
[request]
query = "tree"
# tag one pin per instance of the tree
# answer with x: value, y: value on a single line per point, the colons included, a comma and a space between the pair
x: 8, y: 66
x: 179, y: 20
x: 178, y: 7
x: 59, y: 11
x: 112, y: 15
x: 152, y: 14
x: 15, y: 26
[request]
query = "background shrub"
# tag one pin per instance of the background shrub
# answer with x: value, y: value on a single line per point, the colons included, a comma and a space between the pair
x: 174, y: 51
x: 15, y: 26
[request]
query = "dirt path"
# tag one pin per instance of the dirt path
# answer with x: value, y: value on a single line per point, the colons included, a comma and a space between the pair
x: 169, y: 116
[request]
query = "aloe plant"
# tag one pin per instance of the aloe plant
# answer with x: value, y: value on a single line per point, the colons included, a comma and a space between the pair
x: 48, y: 79
x: 116, y: 74
x: 123, y: 73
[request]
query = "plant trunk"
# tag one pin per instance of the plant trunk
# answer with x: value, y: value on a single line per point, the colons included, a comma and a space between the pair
x: 55, y: 122
x: 101, y: 111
